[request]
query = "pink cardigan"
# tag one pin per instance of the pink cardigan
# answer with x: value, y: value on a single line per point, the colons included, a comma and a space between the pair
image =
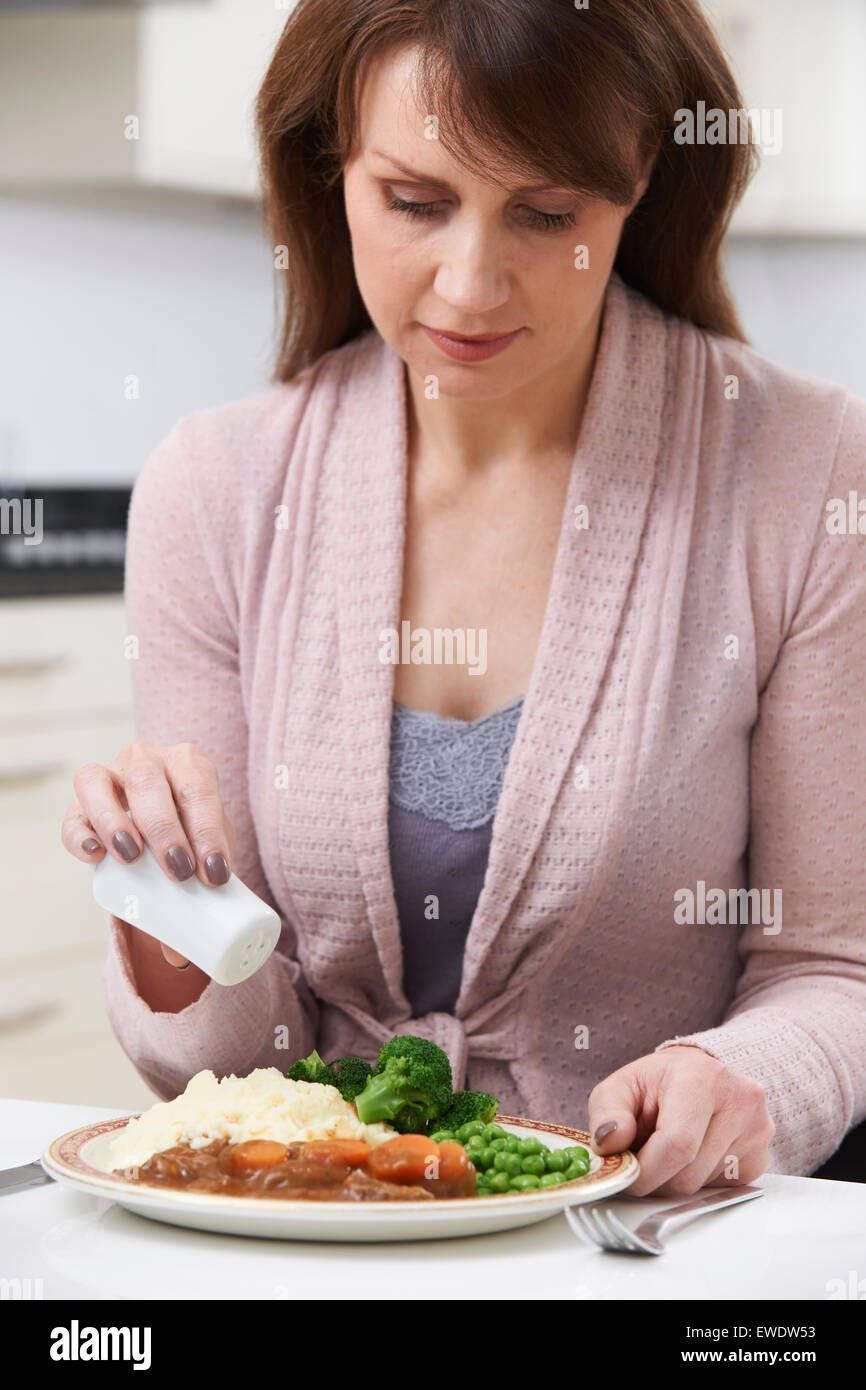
x: 695, y: 716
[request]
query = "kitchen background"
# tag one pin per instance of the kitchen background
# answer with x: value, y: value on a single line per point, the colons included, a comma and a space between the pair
x: 136, y: 286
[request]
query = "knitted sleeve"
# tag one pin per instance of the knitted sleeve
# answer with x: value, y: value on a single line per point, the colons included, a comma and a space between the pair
x: 797, y: 1023
x: 182, y: 634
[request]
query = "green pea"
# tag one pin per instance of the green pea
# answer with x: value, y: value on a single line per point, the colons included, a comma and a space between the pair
x: 551, y: 1179
x: 524, y: 1182
x: 556, y: 1162
x: 529, y: 1146
x: 466, y: 1131
x: 512, y: 1144
x: 508, y: 1163
x: 576, y: 1151
x: 474, y: 1144
x: 484, y: 1158
x: 499, y: 1143
x: 440, y: 1136
x: 493, y: 1131
x: 575, y: 1170
x: 532, y: 1163
x: 499, y: 1182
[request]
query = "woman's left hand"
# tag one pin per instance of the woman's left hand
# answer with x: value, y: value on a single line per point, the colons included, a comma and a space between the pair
x: 691, y: 1121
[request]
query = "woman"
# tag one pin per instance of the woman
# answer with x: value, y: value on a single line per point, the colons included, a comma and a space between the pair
x: 578, y: 577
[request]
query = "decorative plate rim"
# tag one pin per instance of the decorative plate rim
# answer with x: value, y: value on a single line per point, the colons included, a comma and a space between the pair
x: 63, y: 1159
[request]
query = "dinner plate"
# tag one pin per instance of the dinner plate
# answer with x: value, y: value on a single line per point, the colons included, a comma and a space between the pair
x: 81, y: 1158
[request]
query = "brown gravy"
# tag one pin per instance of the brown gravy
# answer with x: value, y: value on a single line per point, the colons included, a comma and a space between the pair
x: 301, y: 1174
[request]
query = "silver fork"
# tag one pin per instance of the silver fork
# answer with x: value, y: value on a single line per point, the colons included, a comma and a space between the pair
x: 604, y: 1228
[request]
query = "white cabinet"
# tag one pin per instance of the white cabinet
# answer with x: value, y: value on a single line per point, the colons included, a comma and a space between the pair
x: 48, y: 907
x: 62, y: 661
x: 187, y: 74
x: 66, y: 82
x: 808, y: 62
x: 200, y: 68
x: 55, y: 1040
x: 64, y: 701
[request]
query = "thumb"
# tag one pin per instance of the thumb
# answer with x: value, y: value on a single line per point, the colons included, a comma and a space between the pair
x: 612, y: 1110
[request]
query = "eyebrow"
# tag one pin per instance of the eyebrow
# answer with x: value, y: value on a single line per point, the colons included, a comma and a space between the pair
x: 440, y: 183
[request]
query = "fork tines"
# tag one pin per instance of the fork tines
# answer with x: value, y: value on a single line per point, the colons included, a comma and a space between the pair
x: 603, y: 1227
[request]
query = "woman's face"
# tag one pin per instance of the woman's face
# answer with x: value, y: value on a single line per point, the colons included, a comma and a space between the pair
x: 477, y: 258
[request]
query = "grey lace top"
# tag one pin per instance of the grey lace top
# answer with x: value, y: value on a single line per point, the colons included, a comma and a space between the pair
x: 445, y: 779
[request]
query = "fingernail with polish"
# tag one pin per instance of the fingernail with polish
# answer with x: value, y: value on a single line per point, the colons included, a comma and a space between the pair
x: 180, y: 863
x: 90, y: 846
x: 125, y: 845
x: 603, y: 1131
x: 216, y: 869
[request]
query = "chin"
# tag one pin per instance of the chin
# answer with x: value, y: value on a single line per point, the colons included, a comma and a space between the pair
x: 480, y: 381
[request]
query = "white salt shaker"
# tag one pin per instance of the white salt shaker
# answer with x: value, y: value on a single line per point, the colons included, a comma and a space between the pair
x: 227, y: 931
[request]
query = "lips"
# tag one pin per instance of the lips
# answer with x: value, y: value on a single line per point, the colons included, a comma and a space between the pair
x: 473, y: 337
x: 461, y: 348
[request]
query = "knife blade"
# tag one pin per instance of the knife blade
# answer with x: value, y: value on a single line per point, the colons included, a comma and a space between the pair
x: 25, y: 1175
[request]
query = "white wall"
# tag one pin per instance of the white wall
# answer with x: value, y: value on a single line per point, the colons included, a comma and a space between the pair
x: 175, y: 289
x: 179, y: 290
x: 803, y: 303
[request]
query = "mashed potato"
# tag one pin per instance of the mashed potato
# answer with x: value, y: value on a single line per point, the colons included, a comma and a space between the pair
x: 263, y: 1105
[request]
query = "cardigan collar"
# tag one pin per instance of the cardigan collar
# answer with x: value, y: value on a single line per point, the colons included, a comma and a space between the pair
x: 612, y: 475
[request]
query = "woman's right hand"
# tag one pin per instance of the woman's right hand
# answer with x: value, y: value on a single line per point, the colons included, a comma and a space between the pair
x: 172, y: 795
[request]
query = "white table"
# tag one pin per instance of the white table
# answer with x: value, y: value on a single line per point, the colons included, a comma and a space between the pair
x: 788, y: 1244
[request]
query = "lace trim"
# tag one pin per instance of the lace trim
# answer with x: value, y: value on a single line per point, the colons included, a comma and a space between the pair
x: 451, y: 770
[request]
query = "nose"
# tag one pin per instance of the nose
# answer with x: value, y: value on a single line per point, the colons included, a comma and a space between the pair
x: 472, y: 274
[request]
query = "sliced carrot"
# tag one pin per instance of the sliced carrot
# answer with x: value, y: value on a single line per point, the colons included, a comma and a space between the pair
x: 454, y: 1162
x: 258, y: 1153
x: 352, y: 1152
x: 406, y: 1158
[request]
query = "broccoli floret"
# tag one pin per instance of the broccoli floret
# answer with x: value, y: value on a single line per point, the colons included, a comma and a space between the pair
x: 410, y: 1087
x: 349, y: 1074
x: 308, y: 1069
x: 466, y: 1106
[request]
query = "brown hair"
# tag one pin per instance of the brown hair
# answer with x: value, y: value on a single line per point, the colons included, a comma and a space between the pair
x: 580, y: 95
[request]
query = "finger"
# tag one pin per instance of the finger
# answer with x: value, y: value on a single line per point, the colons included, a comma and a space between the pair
x: 230, y: 832
x: 718, y: 1146
x: 97, y: 793
x: 79, y: 837
x: 614, y: 1106
x: 746, y: 1104
x: 152, y: 806
x: 178, y: 961
x: 685, y: 1112
x: 116, y: 768
x: 195, y: 785
x: 146, y: 942
x: 747, y: 1158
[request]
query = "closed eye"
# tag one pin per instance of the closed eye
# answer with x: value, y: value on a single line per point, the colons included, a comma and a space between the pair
x: 412, y: 209
x: 545, y: 221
